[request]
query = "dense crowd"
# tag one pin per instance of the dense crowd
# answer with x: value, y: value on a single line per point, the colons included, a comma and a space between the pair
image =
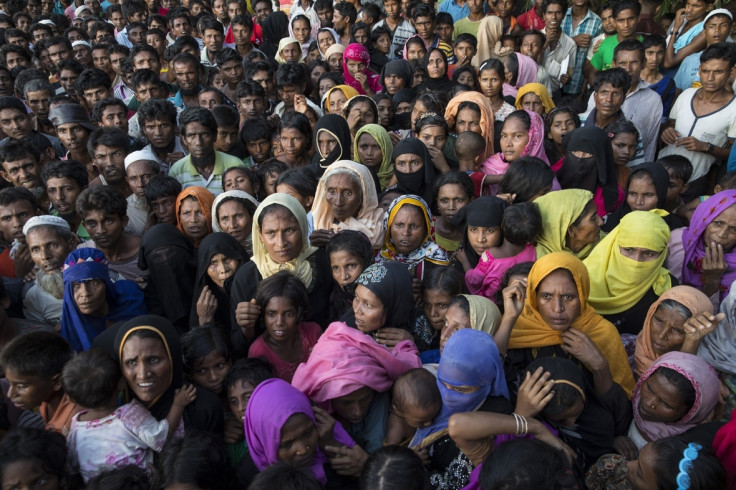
x: 381, y: 245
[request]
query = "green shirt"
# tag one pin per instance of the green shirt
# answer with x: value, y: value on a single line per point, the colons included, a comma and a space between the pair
x: 603, y: 58
x: 188, y: 176
x: 465, y: 26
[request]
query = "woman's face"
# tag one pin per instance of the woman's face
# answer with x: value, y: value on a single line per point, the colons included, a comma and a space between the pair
x: 146, y: 367
x: 624, y: 148
x: 301, y: 30
x: 353, y: 407
x: 361, y: 36
x: 467, y: 120
x: 291, y: 52
x: 361, y: 113
x: 325, y: 40
x: 587, y: 232
x: 210, y: 371
x: 299, y: 441
x: 235, y: 220
x: 450, y: 199
x: 455, y: 319
x: 661, y: 401
x: 569, y: 416
x: 370, y: 314
x: 514, y: 138
x: 346, y: 267
x: 562, y: 123
x: 317, y: 72
x: 293, y: 143
x: 532, y: 102
x: 415, y: 51
x: 490, y: 83
x: 408, y: 163
x: 666, y: 333
x: 222, y: 268
x: 642, y: 195
x: 640, y: 254
x: 325, y: 85
x: 192, y: 219
x: 436, y: 66
x: 343, y: 196
x: 433, y: 137
x: 417, y: 111
x: 385, y: 112
x: 558, y: 300
x: 337, y: 101
x: 90, y: 297
x: 326, y: 142
x: 408, y: 229
x: 306, y: 202
x: 369, y: 151
x: 481, y: 238
x: 435, y: 303
x: 281, y: 318
x: 722, y: 230
x: 393, y: 83
x: 640, y: 472
x: 281, y: 235
x: 355, y: 66
x: 419, y: 77
x: 335, y: 62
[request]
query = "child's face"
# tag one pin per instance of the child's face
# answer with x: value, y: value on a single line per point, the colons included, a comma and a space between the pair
x: 653, y: 56
x: 435, y: 303
x: 383, y: 44
x: 270, y: 183
x: 562, y: 123
x: 464, y: 51
x: 281, y: 317
x: 210, y: 371
x: 530, y: 46
x: 28, y: 392
x: 482, y: 238
x: 624, y: 148
x: 490, y: 83
x: 418, y: 417
x: 504, y: 7
x: 455, y: 319
x: 276, y: 149
x: 165, y: 209
x: 346, y: 267
x: 508, y: 44
x: 287, y: 189
x: 387, y: 199
x: 259, y: 150
x: 238, y: 396
x: 642, y: 195
x: 444, y: 32
x: 450, y: 199
x: 676, y: 187
x: 227, y: 137
x: 29, y: 473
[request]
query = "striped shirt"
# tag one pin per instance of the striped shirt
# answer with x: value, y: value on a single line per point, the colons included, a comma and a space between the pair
x: 188, y: 176
x: 590, y: 24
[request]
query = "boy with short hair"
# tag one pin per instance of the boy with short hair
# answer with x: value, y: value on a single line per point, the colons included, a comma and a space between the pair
x: 471, y: 23
x: 465, y: 47
x: 654, y: 47
x: 227, y: 131
x: 92, y: 86
x: 680, y: 170
x: 291, y: 82
x: 256, y: 135
x: 64, y: 181
x: 401, y: 28
x: 33, y: 363
x: 161, y: 193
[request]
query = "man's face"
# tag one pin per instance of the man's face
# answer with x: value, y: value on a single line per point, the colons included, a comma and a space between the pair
x: 200, y: 140
x: 39, y: 34
x: 714, y: 75
x: 73, y: 136
x: 226, y: 139
x: 67, y: 79
x: 63, y: 193
x: 717, y: 29
x: 156, y: 42
x: 114, y: 116
x: 118, y: 21
x: 110, y: 161
x: 187, y: 77
x: 626, y: 23
x: 531, y: 46
x: 234, y: 9
x: 213, y: 40
x: 15, y: 123
x: 25, y: 172
x: 265, y: 80
x: 165, y: 209
x: 12, y: 219
x: 444, y: 32
x: 48, y: 249
x: 59, y: 52
x: 6, y: 82
x: 16, y: 59
x: 424, y: 27
x: 252, y: 105
x: 219, y: 7
x: 553, y: 15
x: 139, y: 16
x: 263, y: 10
x: 82, y: 54
x: 181, y: 27
x: 631, y: 62
x: 101, y: 60
x: 136, y: 35
x: 654, y: 55
x: 393, y: 8
x: 138, y: 175
x: 147, y: 91
x: 116, y: 59
x: 241, y: 34
x: 104, y: 229
x: 325, y: 17
x: 95, y: 94
x: 160, y: 132
x: 39, y: 103
x: 232, y: 72
x: 608, y: 99
x: 339, y: 23
x: 609, y: 24
x: 18, y: 41
x: 209, y: 100
x: 146, y: 60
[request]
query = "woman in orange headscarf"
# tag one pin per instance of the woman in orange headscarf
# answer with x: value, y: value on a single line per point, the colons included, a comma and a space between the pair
x: 194, y: 213
x: 556, y: 320
x: 476, y: 115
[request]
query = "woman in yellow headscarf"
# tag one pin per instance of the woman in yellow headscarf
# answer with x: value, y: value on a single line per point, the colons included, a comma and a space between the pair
x: 540, y: 102
x: 570, y: 223
x: 337, y: 97
x: 626, y: 270
x: 557, y: 320
x: 384, y: 168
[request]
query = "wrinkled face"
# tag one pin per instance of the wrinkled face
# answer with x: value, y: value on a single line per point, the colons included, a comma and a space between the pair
x: 48, y: 249
x: 608, y: 99
x: 642, y: 195
x: 666, y: 333
x: 514, y: 138
x: 146, y: 367
x: 450, y: 199
x: 532, y: 102
x: 353, y: 407
x: 481, y: 238
x: 25, y: 172
x: 299, y: 441
x: 222, y: 268
x: 281, y: 235
x: 291, y: 52
x: 82, y: 54
x: 209, y: 100
x: 138, y: 175
x: 722, y: 230
x: 234, y: 219
x: 467, y: 120
x: 111, y: 163
x: 90, y: 297
x: 369, y: 151
x: 370, y: 314
x: 335, y: 62
x: 408, y: 229
x: 301, y: 30
x: 200, y: 140
x: 558, y: 300
x: 39, y: 103
x: 281, y: 318
x: 435, y: 303
x: 624, y: 148
x: 661, y: 401
x: 343, y: 196
x: 346, y: 267
x: 587, y: 231
x: 193, y: 220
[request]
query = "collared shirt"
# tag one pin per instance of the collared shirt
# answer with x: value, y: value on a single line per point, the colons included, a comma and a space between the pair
x: 399, y: 37
x: 162, y: 164
x: 590, y: 24
x: 452, y: 8
x: 122, y: 91
x: 178, y: 100
x: 530, y: 20
x: 553, y: 59
x: 205, y: 60
x: 186, y: 173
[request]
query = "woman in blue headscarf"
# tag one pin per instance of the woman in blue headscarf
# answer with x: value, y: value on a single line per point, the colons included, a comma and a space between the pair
x: 470, y: 377
x: 92, y: 301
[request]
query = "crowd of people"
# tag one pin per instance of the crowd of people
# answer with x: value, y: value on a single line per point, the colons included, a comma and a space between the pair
x: 379, y: 245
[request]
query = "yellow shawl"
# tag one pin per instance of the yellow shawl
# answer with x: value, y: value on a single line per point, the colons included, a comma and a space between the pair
x: 559, y: 210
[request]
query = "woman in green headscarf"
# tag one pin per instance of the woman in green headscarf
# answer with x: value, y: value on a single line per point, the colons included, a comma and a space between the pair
x: 570, y: 223
x: 373, y: 148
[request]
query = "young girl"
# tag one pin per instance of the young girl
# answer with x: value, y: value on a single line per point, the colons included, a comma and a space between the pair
x: 453, y: 190
x: 557, y: 124
x: 356, y: 59
x: 624, y: 138
x: 350, y: 252
x: 466, y: 76
x: 29, y: 455
x: 522, y: 135
x: 105, y: 436
x: 287, y: 340
x: 242, y: 179
x: 206, y: 358
x: 268, y: 173
x: 520, y: 226
x: 439, y: 286
x: 480, y: 222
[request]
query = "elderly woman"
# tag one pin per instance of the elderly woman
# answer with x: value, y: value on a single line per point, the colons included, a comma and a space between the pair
x: 346, y: 199
x: 280, y: 242
x: 194, y: 213
x: 534, y: 97
x: 355, y: 363
x: 702, y: 255
x: 135, y: 345
x: 677, y: 321
x: 472, y: 111
x: 332, y: 140
x: 289, y: 50
x: 232, y: 212
x: 555, y: 319
x: 626, y: 270
x: 570, y: 223
x: 92, y: 302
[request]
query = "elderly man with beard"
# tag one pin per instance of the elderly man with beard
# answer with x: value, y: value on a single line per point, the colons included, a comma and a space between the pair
x: 20, y: 166
x: 204, y: 166
x: 108, y: 147
x: 188, y: 73
x: 50, y: 240
x: 140, y: 167
x: 64, y: 181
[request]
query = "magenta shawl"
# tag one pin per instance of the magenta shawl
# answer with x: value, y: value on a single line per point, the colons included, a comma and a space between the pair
x: 358, y: 52
x: 703, y: 378
x: 345, y: 360
x: 692, y: 242
x: 270, y: 406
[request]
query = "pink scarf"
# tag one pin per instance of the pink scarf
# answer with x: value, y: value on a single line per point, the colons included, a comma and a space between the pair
x: 527, y: 73
x: 358, y: 52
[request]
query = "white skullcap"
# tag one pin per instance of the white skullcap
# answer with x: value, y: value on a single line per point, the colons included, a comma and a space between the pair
x: 80, y: 9
x: 140, y: 155
x: 725, y: 12
x: 48, y: 22
x: 81, y: 42
x: 45, y: 220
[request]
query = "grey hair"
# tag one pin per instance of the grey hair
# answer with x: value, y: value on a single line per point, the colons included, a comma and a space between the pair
x: 36, y: 86
x: 676, y: 306
x: 354, y: 177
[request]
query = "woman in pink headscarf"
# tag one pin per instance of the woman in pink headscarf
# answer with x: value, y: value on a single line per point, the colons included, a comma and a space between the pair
x: 355, y: 61
x: 520, y: 70
x: 522, y: 136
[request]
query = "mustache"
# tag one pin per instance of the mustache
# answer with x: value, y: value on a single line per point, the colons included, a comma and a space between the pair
x: 51, y: 283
